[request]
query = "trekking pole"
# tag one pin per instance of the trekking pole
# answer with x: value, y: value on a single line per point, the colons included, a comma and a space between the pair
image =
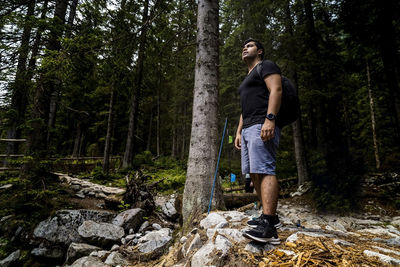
x: 216, y: 169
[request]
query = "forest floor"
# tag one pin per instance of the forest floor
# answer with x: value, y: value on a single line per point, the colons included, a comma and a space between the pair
x: 373, y: 208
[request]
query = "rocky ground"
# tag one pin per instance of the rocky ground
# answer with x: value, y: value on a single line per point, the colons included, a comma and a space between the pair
x: 96, y: 236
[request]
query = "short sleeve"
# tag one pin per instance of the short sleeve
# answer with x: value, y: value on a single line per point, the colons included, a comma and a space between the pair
x: 269, y: 67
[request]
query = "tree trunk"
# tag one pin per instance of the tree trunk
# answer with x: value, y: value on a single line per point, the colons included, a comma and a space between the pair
x: 298, y: 138
x: 107, y: 145
x: 148, y: 146
x: 203, y: 141
x: 371, y: 107
x: 71, y: 16
x: 129, y: 148
x: 41, y: 106
x: 52, y: 115
x: 38, y: 41
x: 77, y: 142
x: 183, y: 148
x: 158, y: 122
x: 19, y: 99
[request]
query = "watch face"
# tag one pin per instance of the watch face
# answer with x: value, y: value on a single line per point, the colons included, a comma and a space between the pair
x: 271, y: 116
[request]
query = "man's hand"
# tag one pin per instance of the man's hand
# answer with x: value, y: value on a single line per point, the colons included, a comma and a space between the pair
x: 238, y: 141
x: 268, y: 130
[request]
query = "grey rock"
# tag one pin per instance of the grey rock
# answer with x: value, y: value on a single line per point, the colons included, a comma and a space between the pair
x: 116, y: 258
x: 100, y: 195
x: 387, y: 250
x: 212, y: 220
x: 342, y: 242
x: 234, y: 234
x: 234, y: 216
x: 211, y: 251
x: 129, y: 237
x: 156, y: 226
x: 5, y: 218
x: 222, y: 225
x: 101, y: 234
x: 195, y: 244
x: 167, y: 205
x: 255, y: 247
x: 154, y: 243
x: 62, y: 228
x: 287, y: 252
x: 294, y: 237
x: 75, y: 187
x: 89, y: 261
x: 131, y: 231
x: 54, y: 253
x: 382, y: 257
x: 79, y: 250
x: 102, y: 254
x: 143, y: 226
x: 123, y: 241
x: 183, y: 239
x: 80, y: 195
x: 128, y: 219
x: 115, y: 247
x: 10, y: 259
x: 6, y: 186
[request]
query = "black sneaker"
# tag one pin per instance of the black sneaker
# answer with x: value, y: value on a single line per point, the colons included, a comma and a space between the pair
x: 264, y: 233
x: 273, y: 220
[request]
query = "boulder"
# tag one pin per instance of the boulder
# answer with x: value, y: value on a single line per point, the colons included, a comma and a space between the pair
x: 211, y: 252
x: 382, y: 257
x: 10, y: 259
x: 79, y: 250
x: 101, y: 234
x: 167, y: 206
x: 154, y: 243
x: 62, y: 228
x: 89, y: 261
x: 212, y: 220
x: 128, y: 219
x: 195, y: 244
x: 116, y: 258
x: 53, y: 253
x: 235, y: 235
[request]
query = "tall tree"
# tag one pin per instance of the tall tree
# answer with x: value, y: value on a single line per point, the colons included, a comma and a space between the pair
x: 19, y: 99
x: 203, y: 139
x: 136, y: 95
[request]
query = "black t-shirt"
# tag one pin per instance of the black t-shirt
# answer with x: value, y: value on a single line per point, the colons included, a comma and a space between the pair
x: 254, y: 94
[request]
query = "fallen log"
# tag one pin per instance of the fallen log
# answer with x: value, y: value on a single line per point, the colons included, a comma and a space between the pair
x: 236, y: 200
x: 235, y: 188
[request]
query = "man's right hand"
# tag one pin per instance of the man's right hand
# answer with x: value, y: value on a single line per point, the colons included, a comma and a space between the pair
x: 238, y: 141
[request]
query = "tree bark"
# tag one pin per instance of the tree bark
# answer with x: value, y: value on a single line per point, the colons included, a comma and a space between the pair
x: 41, y: 106
x: 298, y: 138
x: 107, y: 145
x: 77, y: 142
x: 203, y: 140
x: 129, y: 148
x: 373, y: 124
x: 19, y: 99
x: 148, y: 146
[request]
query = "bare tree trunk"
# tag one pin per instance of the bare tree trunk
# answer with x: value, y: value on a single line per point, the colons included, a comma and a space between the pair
x: 183, y: 148
x: 52, y: 115
x: 107, y: 146
x: 150, y: 130
x: 158, y: 123
x: 41, y: 105
x: 129, y: 148
x: 71, y: 16
x: 19, y: 99
x: 298, y: 139
x: 77, y: 142
x: 373, y: 124
x: 203, y: 141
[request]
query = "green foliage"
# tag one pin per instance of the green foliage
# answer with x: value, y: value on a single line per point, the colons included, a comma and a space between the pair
x: 124, y: 206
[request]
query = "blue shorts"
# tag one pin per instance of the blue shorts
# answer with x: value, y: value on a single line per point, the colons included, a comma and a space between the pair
x: 258, y: 156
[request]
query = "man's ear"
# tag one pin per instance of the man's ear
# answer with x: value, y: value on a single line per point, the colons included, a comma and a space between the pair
x: 259, y: 51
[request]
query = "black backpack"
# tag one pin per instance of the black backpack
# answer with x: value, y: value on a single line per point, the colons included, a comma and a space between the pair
x: 290, y: 105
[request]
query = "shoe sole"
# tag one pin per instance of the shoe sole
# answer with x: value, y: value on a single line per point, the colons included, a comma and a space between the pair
x: 277, y: 226
x: 270, y: 240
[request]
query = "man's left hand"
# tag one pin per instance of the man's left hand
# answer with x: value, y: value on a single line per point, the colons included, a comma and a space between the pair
x: 268, y: 130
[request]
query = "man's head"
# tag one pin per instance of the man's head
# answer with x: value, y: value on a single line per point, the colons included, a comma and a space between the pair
x: 257, y: 44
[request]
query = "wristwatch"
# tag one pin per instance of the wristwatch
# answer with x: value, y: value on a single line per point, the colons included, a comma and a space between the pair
x: 271, y: 116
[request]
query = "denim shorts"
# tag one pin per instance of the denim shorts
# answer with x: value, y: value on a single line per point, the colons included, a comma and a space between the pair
x: 258, y: 156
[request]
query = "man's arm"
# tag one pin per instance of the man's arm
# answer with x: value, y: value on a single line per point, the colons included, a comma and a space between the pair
x: 238, y: 138
x: 274, y: 85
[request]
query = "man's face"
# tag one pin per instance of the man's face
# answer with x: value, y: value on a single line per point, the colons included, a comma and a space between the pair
x: 250, y: 51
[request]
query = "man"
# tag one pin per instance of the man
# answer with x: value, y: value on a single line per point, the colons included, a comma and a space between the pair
x: 258, y: 136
